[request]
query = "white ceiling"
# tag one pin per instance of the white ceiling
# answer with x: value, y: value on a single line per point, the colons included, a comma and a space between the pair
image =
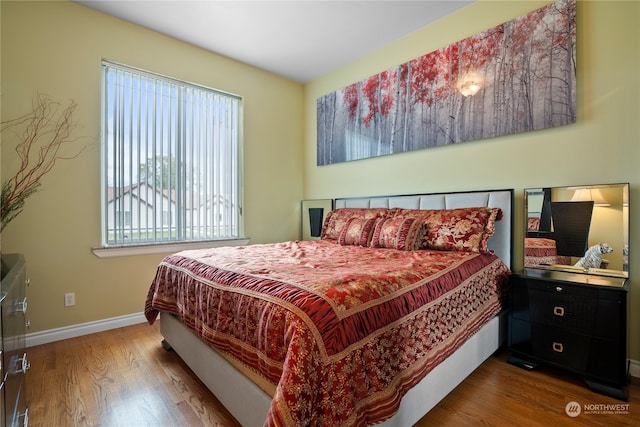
x: 300, y: 40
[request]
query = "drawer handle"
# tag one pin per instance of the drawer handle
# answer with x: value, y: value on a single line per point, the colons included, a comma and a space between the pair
x: 25, y: 417
x: 558, y: 311
x: 557, y: 347
x: 559, y: 289
x: 21, y: 306
x: 19, y: 365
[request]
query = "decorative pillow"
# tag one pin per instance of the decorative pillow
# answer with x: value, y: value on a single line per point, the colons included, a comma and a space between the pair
x: 398, y: 233
x: 464, y: 229
x: 420, y: 215
x: 357, y: 232
x: 337, y: 219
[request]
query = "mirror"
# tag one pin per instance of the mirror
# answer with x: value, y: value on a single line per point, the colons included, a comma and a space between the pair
x: 580, y: 229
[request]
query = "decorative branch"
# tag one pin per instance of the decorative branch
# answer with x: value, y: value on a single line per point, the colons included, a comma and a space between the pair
x: 42, y: 134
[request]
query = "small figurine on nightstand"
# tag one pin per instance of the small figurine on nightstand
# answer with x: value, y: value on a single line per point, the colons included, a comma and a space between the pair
x: 593, y: 257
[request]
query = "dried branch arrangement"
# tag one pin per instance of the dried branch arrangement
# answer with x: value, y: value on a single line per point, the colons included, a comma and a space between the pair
x: 42, y: 135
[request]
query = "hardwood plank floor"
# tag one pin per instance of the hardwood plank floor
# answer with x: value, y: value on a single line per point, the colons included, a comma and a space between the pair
x: 124, y: 377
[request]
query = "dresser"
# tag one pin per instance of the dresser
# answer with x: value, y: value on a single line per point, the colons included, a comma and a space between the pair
x: 576, y: 322
x: 13, y: 324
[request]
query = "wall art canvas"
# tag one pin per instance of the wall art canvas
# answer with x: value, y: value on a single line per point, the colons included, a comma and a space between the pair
x: 517, y: 77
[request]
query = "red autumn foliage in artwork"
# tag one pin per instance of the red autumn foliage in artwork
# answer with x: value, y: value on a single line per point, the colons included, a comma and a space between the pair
x: 525, y: 70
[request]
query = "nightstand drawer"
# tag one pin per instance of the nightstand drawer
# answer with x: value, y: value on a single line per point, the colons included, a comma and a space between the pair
x: 561, y: 347
x: 562, y: 310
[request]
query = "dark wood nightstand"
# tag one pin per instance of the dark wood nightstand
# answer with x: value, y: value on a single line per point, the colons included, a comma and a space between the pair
x: 576, y: 322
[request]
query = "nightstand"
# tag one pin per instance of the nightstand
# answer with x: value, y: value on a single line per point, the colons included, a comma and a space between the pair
x: 577, y: 322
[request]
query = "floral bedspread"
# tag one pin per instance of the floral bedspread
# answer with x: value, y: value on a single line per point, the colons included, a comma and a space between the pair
x: 542, y: 251
x: 342, y: 332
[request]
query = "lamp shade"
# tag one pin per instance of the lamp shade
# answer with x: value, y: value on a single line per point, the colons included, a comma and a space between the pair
x: 590, y: 194
x: 315, y: 221
x: 571, y: 223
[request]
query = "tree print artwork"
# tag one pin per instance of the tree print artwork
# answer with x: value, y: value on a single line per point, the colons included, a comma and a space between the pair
x: 525, y: 70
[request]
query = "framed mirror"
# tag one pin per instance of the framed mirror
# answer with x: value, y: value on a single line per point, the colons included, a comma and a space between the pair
x: 580, y: 229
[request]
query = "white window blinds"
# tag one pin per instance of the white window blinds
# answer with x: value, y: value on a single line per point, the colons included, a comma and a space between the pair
x: 170, y: 160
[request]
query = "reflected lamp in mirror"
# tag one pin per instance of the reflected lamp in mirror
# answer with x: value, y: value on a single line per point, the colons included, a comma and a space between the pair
x: 547, y: 245
x: 571, y: 222
x: 314, y: 213
x: 590, y: 194
x: 315, y: 221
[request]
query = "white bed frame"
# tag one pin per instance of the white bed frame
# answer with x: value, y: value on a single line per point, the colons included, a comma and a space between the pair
x: 249, y: 404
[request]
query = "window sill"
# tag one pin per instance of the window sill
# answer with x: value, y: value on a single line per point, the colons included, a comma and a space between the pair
x: 168, y: 248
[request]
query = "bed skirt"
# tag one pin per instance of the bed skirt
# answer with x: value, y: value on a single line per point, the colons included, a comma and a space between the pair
x: 234, y: 390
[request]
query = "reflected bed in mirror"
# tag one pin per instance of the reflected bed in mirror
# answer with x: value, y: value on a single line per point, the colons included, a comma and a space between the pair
x: 580, y: 229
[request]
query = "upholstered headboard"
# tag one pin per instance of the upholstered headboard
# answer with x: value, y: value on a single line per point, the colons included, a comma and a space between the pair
x: 502, y: 240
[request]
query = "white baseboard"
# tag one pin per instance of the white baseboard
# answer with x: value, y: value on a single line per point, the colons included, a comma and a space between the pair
x: 634, y: 368
x: 57, y: 334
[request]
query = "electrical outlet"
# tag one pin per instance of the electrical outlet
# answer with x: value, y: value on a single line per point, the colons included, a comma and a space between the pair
x: 69, y: 299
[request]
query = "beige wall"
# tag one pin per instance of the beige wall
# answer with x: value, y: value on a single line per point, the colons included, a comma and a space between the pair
x: 602, y: 147
x: 56, y: 48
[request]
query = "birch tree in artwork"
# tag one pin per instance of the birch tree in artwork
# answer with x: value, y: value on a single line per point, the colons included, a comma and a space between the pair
x: 525, y: 68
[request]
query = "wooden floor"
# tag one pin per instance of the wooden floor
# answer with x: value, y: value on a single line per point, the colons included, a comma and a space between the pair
x: 124, y: 377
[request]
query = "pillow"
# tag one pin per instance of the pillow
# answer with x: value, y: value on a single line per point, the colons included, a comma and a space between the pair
x: 420, y: 215
x: 357, y: 232
x: 338, y: 218
x: 463, y: 229
x: 398, y: 233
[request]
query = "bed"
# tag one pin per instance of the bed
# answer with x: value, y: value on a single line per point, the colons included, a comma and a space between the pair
x: 334, y: 331
x: 540, y: 248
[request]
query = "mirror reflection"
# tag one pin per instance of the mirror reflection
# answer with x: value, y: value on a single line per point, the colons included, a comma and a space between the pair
x: 581, y: 229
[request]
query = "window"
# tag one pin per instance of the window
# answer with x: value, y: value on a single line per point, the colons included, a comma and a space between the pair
x: 123, y: 218
x: 170, y: 160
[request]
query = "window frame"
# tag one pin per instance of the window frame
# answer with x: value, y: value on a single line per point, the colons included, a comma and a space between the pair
x: 109, y: 249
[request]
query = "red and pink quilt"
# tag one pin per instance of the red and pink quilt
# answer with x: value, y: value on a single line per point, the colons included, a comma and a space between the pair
x: 342, y: 332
